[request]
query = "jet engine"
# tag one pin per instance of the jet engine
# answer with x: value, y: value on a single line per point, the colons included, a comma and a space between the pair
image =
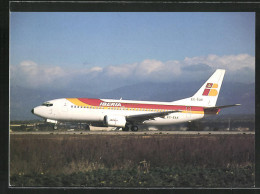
x: 114, y: 121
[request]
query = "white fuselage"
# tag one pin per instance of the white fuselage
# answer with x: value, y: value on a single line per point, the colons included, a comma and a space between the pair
x: 65, y: 110
x: 125, y: 113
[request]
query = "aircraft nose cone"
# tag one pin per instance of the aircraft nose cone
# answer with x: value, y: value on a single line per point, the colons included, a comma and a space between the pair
x: 32, y: 111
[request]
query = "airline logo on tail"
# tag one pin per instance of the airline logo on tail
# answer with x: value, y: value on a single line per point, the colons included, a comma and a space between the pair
x: 209, y: 90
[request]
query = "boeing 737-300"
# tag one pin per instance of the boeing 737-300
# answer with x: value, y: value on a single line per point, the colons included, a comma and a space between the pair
x: 129, y: 114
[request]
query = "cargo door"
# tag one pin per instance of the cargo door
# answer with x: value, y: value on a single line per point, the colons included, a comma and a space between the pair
x: 188, y: 111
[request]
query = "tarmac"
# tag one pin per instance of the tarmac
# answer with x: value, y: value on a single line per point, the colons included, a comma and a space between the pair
x: 99, y: 132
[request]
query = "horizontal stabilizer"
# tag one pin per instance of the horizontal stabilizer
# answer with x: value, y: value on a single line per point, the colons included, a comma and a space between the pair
x: 220, y: 107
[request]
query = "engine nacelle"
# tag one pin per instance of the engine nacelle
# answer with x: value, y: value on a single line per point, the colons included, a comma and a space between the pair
x: 114, y: 121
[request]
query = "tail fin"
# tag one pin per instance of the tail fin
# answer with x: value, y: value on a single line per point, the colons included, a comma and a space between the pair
x: 207, y: 95
x: 209, y: 92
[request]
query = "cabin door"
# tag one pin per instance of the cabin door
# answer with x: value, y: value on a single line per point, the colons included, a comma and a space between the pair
x: 65, y: 107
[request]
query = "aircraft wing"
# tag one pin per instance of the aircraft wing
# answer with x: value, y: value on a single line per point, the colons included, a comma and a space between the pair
x: 143, y: 117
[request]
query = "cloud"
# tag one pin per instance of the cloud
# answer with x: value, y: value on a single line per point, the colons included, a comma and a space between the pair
x: 155, y: 70
x: 196, y: 67
x: 31, y: 74
x: 148, y: 69
x: 228, y: 62
x: 125, y: 70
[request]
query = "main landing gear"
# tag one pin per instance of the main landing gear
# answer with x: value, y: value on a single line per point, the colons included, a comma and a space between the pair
x: 133, y: 128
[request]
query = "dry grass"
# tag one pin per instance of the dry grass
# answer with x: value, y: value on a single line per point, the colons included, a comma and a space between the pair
x: 68, y: 154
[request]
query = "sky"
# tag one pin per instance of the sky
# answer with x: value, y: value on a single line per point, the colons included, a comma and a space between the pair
x: 102, y: 51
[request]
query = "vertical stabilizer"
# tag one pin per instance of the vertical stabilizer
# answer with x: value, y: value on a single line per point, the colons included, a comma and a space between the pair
x: 207, y: 95
x: 209, y: 92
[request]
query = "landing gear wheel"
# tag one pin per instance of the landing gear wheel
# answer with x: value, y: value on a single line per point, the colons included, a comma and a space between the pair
x: 134, y: 128
x: 126, y: 128
x: 55, y: 127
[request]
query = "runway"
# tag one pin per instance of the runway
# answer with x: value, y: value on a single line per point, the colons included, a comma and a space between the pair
x: 136, y: 133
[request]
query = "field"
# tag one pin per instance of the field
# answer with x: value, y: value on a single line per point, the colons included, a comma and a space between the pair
x: 157, y: 160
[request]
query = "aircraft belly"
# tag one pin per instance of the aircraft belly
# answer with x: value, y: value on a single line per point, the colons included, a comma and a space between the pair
x: 90, y: 115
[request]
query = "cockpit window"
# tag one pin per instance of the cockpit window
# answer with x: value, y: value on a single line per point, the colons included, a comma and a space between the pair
x: 47, y: 104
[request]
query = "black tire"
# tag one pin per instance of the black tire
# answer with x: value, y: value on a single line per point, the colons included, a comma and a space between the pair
x: 134, y: 128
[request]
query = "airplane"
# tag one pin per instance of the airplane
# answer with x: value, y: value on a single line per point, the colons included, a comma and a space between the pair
x: 129, y: 114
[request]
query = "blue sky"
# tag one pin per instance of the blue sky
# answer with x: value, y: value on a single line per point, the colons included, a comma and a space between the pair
x: 55, y: 46
x: 114, y: 38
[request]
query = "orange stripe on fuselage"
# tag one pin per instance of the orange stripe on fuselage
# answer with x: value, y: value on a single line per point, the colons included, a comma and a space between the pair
x: 77, y: 102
